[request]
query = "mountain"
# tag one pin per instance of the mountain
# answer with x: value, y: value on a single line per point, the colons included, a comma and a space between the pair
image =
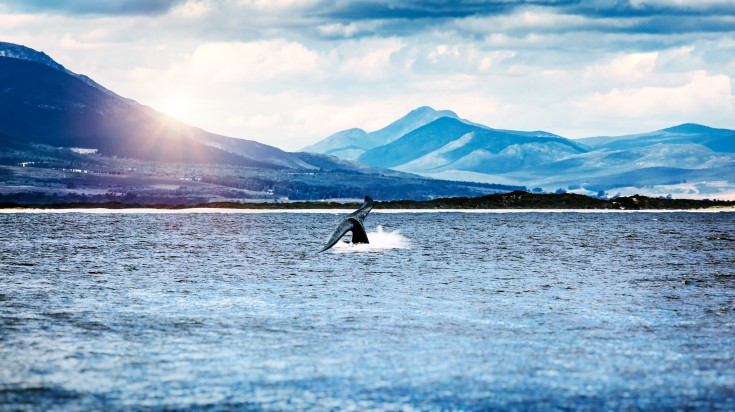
x: 62, y: 136
x: 688, y: 160
x: 348, y: 144
x: 718, y: 140
x: 351, y: 143
x: 446, y: 141
x: 16, y: 51
x: 42, y: 103
x: 19, y: 52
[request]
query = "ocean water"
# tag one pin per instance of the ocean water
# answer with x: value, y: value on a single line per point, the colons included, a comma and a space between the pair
x: 442, y: 311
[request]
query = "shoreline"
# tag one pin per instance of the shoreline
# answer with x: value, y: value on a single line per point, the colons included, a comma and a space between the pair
x: 513, y: 202
x: 205, y: 210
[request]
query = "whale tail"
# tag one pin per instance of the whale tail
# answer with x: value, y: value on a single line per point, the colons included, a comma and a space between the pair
x: 352, y: 223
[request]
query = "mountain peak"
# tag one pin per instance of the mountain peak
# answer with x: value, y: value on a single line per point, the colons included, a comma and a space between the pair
x: 413, y: 120
x: 351, y: 143
x: 20, y: 52
x: 423, y: 111
x: 689, y: 128
x: 17, y: 51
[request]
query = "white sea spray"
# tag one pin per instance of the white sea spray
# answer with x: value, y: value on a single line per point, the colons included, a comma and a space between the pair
x: 379, y: 240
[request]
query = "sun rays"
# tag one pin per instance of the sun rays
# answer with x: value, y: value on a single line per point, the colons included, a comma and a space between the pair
x: 178, y: 107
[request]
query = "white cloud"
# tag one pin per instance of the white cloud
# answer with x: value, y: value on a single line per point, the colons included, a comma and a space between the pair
x: 277, y: 4
x: 252, y: 61
x: 262, y: 121
x: 625, y: 67
x: 523, y: 20
x: 266, y: 71
x: 370, y: 60
x: 701, y: 97
x: 697, y: 4
x: 192, y: 10
x: 338, y: 29
x: 442, y: 50
x: 18, y: 21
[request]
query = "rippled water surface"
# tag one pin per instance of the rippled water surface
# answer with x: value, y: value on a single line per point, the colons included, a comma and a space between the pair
x: 527, y: 311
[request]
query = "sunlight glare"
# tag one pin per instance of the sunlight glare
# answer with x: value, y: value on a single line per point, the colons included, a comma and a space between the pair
x: 177, y: 107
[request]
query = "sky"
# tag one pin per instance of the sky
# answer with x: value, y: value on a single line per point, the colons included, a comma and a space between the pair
x: 291, y: 72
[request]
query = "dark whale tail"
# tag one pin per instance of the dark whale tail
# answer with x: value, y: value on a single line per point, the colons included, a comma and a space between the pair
x: 352, y: 223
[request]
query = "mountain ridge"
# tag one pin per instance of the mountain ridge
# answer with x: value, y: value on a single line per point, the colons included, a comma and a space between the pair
x: 720, y: 140
x: 20, y: 52
x: 351, y: 143
x: 457, y: 149
x: 79, y: 116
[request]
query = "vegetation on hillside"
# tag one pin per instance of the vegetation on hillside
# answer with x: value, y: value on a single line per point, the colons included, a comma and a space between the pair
x: 513, y: 200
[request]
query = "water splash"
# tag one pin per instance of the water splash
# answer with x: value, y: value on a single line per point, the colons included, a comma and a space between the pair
x: 379, y: 240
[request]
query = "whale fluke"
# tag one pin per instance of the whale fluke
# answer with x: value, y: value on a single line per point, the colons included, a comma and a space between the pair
x: 352, y: 223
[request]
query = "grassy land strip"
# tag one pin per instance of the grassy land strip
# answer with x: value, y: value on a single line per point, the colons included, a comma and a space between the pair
x: 512, y: 200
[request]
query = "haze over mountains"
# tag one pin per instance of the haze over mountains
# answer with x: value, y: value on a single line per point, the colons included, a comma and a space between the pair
x: 688, y: 160
x: 62, y: 134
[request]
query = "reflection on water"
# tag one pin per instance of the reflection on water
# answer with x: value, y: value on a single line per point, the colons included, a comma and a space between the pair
x: 440, y: 311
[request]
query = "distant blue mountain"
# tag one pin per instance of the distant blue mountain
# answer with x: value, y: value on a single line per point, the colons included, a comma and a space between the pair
x: 449, y: 140
x: 719, y: 140
x: 350, y: 144
x: 347, y: 144
x: 693, y: 159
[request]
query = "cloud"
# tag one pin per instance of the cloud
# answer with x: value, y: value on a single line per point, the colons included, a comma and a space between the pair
x: 252, y: 61
x: 628, y: 67
x: 290, y: 72
x: 406, y: 10
x: 278, y: 4
x: 348, y: 30
x: 703, y: 96
x: 690, y: 4
x: 370, y: 60
x: 146, y: 7
x: 17, y: 22
x: 192, y: 10
x: 524, y: 20
x: 430, y: 9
